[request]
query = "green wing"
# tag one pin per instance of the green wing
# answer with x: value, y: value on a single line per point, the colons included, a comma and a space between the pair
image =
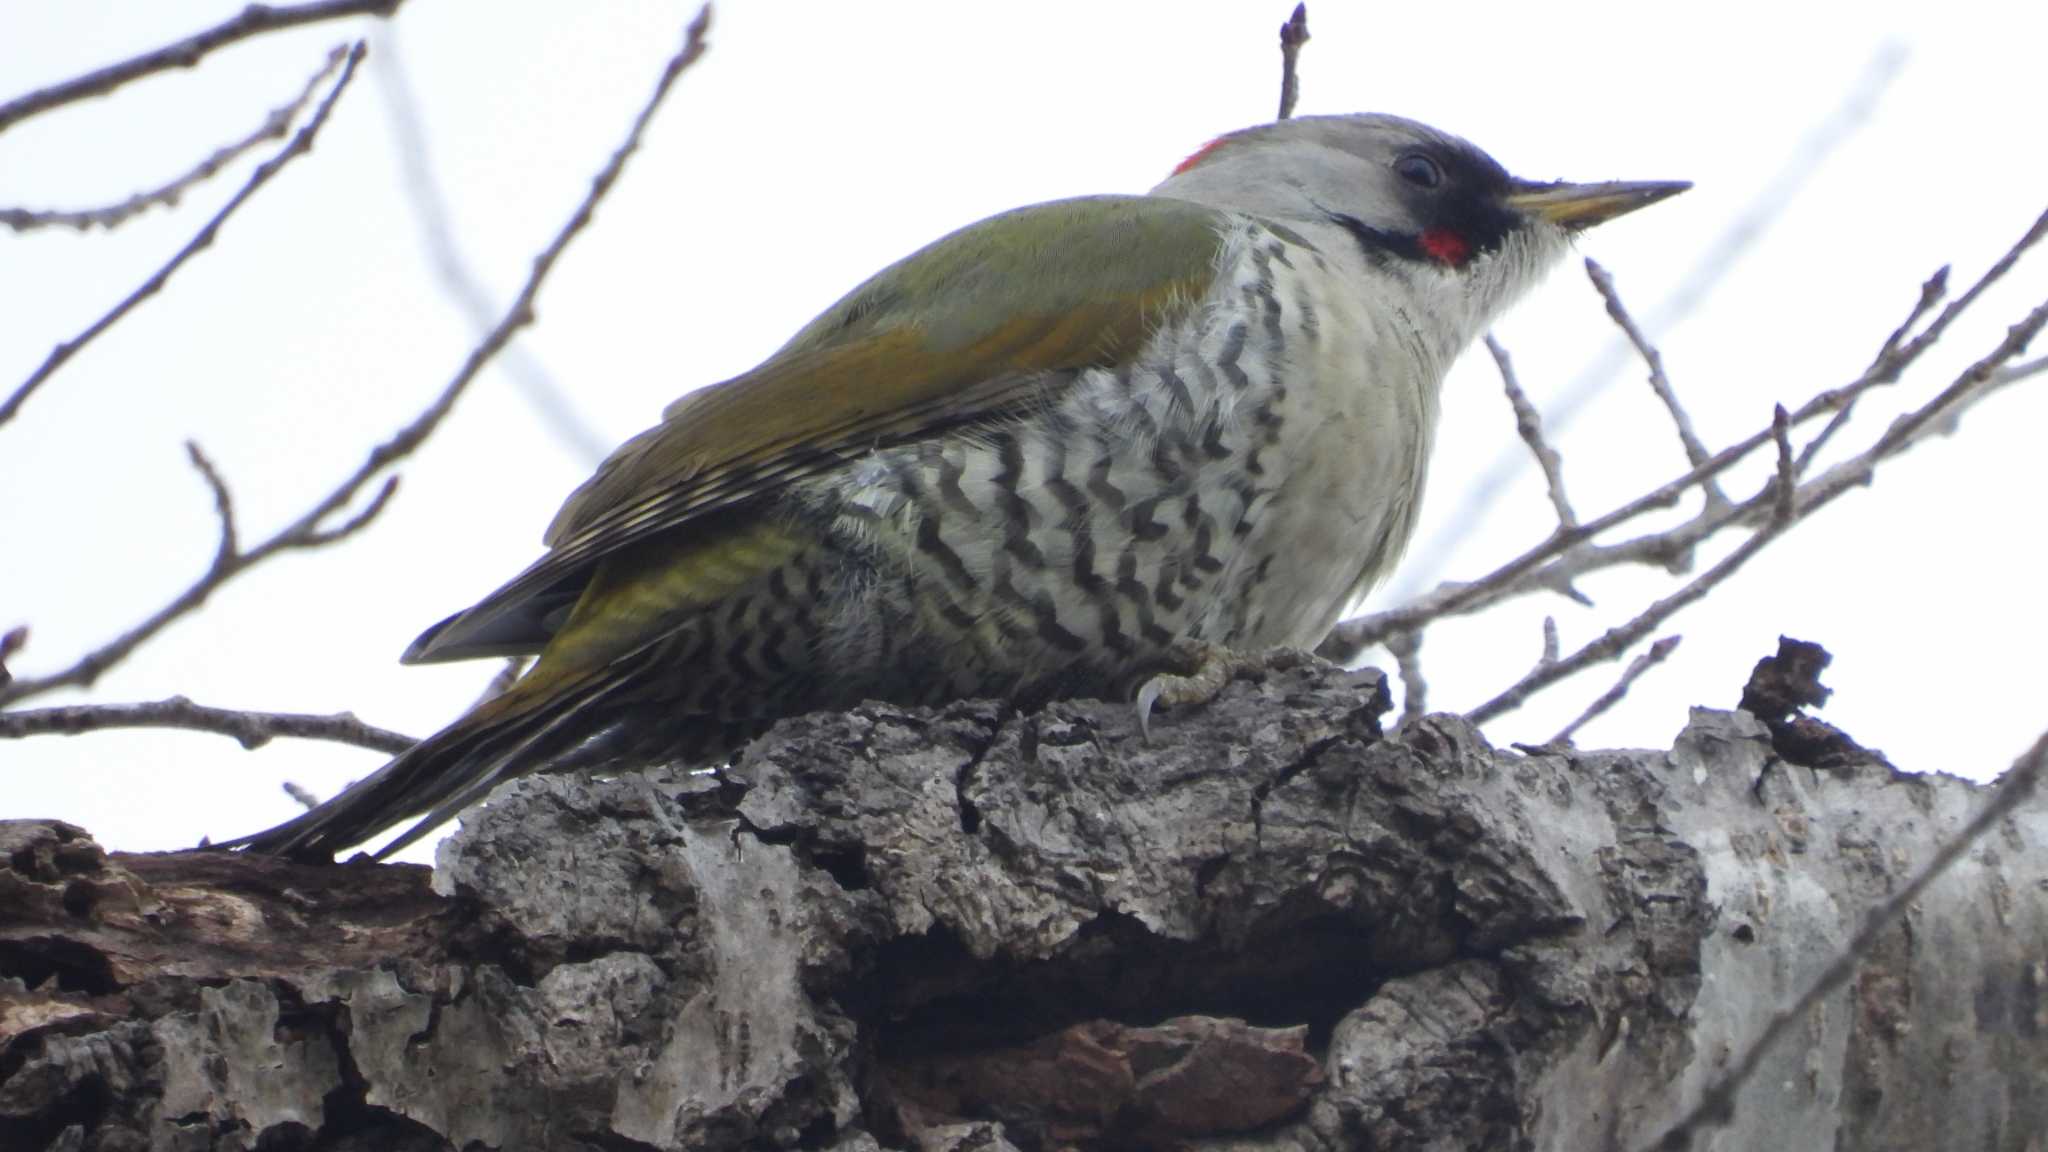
x: 965, y: 330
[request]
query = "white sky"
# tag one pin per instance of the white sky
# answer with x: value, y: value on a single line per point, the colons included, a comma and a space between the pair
x: 819, y: 141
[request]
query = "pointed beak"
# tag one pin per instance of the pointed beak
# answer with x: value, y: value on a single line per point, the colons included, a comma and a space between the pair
x: 1575, y: 207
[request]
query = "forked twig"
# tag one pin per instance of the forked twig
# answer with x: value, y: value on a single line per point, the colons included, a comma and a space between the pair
x: 1562, y: 557
x: 549, y: 401
x: 1695, y: 451
x: 301, y: 143
x: 254, y: 20
x: 251, y: 729
x: 312, y: 528
x: 275, y: 124
x: 1529, y: 425
x: 1605, y: 702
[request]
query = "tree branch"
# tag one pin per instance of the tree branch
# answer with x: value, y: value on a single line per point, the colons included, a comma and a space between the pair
x: 549, y: 401
x: 1556, y: 561
x: 275, y: 124
x: 254, y: 20
x: 1529, y: 424
x: 1605, y: 702
x: 1695, y: 451
x: 251, y: 729
x: 1808, y: 499
x: 1406, y: 649
x: 1716, y: 260
x: 310, y: 529
x: 299, y: 145
x: 1293, y: 35
x: 229, y: 561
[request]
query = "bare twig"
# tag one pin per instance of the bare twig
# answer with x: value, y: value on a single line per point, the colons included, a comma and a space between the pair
x: 1615, y: 641
x: 1788, y: 474
x: 1717, y: 1104
x: 1293, y: 35
x: 304, y: 796
x: 300, y: 144
x: 1931, y: 294
x: 1933, y: 416
x: 1407, y: 652
x: 1556, y: 561
x: 1550, y: 646
x: 229, y: 561
x: 1695, y: 452
x: 2005, y: 377
x: 558, y: 414
x: 1717, y: 258
x: 1530, y: 425
x: 506, y: 676
x: 223, y: 503
x: 2014, y: 373
x: 310, y: 529
x: 11, y: 641
x: 408, y: 439
x: 1605, y: 702
x: 1809, y: 498
x: 251, y: 729
x: 278, y: 122
x: 254, y: 20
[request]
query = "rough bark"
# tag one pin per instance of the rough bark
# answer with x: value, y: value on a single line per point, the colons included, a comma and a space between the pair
x: 1269, y: 927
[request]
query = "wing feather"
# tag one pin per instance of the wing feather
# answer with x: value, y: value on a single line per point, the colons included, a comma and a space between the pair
x: 966, y: 330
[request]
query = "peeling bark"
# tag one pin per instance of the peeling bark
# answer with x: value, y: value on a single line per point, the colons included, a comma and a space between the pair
x: 1270, y: 927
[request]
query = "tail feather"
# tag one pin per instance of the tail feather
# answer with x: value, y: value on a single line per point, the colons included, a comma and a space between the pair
x: 475, y: 779
x: 501, y: 739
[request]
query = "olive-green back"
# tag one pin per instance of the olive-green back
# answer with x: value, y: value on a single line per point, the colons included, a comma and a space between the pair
x: 968, y: 329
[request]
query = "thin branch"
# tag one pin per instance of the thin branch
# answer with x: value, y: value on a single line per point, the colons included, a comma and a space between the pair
x: 1293, y: 35
x: 11, y: 641
x: 1615, y: 641
x: 274, y: 126
x: 251, y: 729
x: 1550, y: 645
x: 1695, y: 451
x: 1605, y: 702
x: 1810, y: 498
x: 1716, y: 260
x: 507, y: 675
x: 1931, y: 294
x: 314, y: 537
x: 549, y: 401
x: 1717, y: 1104
x: 1407, y: 652
x: 223, y: 504
x: 1530, y: 425
x: 1562, y: 557
x: 2014, y: 373
x: 1787, y: 488
x: 310, y: 530
x: 306, y: 798
x: 254, y: 20
x: 229, y: 561
x: 408, y: 439
x: 300, y: 144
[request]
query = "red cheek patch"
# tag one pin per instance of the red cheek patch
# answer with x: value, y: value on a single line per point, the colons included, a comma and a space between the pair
x: 1445, y: 246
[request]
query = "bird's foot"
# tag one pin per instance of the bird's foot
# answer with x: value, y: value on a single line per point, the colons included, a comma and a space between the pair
x: 1201, y: 671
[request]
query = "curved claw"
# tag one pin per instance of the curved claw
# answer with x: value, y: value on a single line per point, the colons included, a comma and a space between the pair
x: 1209, y: 668
x: 1148, y: 695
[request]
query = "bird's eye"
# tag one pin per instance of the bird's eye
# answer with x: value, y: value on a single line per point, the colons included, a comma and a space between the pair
x: 1419, y: 170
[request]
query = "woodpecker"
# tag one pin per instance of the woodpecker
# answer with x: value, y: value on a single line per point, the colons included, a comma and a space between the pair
x: 1034, y: 459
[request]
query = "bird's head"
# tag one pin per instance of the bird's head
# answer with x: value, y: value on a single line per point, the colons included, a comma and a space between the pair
x: 1428, y: 211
